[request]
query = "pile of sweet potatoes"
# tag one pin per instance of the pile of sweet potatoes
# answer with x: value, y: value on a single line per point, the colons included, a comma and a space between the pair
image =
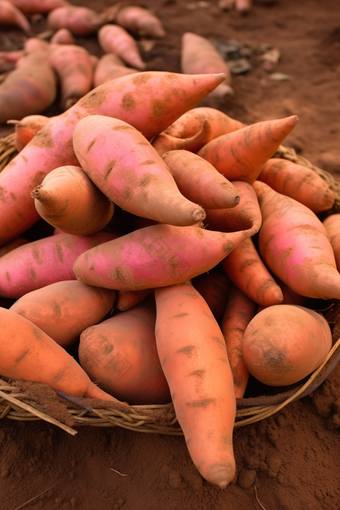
x: 180, y: 256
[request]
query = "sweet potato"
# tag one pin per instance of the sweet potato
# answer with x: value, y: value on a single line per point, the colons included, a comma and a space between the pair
x: 80, y: 20
x: 10, y: 15
x: 73, y: 66
x: 199, y: 181
x: 295, y: 246
x: 240, y: 155
x: 126, y: 299
x: 109, y: 67
x: 115, y: 39
x: 332, y: 226
x: 299, y: 182
x: 199, y: 56
x: 11, y: 245
x: 246, y: 214
x: 165, y: 142
x: 136, y: 179
x: 155, y: 256
x: 283, y: 344
x: 241, y: 6
x: 150, y: 101
x: 194, y: 359
x: 214, y: 287
x: 120, y: 355
x: 238, y: 312
x: 44, y: 261
x: 30, y: 7
x: 27, y: 353
x: 246, y: 269
x: 140, y: 20
x: 64, y: 309
x: 192, y: 121
x: 68, y: 200
x: 27, y: 128
x: 62, y: 36
x: 29, y: 89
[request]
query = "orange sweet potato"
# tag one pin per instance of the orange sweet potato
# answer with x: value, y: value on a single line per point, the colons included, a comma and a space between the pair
x: 282, y: 344
x: 120, y: 355
x: 194, y: 359
x: 31, y: 355
x: 64, y: 309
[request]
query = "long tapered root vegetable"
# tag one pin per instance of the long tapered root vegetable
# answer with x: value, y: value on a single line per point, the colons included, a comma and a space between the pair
x: 199, y: 55
x: 165, y: 142
x: 155, y: 256
x: 240, y: 155
x: 332, y: 226
x: 30, y: 7
x: 140, y: 20
x: 150, y: 101
x: 109, y: 67
x: 299, y: 182
x: 295, y: 246
x: 283, y: 344
x: 63, y: 36
x: 120, y: 355
x: 128, y: 170
x: 194, y: 359
x: 238, y: 312
x: 68, y: 200
x: 198, y: 180
x: 117, y: 40
x: 10, y: 15
x: 192, y: 121
x: 214, y: 286
x: 44, y: 261
x: 73, y: 66
x: 246, y: 214
x: 27, y: 353
x: 64, y: 309
x: 246, y: 269
x: 29, y: 89
x: 79, y: 20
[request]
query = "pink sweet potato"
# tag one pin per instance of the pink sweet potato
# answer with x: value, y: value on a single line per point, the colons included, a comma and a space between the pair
x: 10, y: 15
x: 199, y: 56
x: 155, y: 256
x: 45, y: 261
x: 115, y: 39
x: 79, y: 20
x: 295, y: 246
x: 29, y: 89
x: 150, y: 101
x: 73, y: 66
x: 30, y: 7
x: 109, y: 67
x: 139, y: 20
x: 122, y: 163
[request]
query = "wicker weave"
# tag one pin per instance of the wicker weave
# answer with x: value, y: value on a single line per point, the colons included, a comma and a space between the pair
x: 16, y: 404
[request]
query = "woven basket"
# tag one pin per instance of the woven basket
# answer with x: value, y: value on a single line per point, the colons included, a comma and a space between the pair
x: 21, y: 402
